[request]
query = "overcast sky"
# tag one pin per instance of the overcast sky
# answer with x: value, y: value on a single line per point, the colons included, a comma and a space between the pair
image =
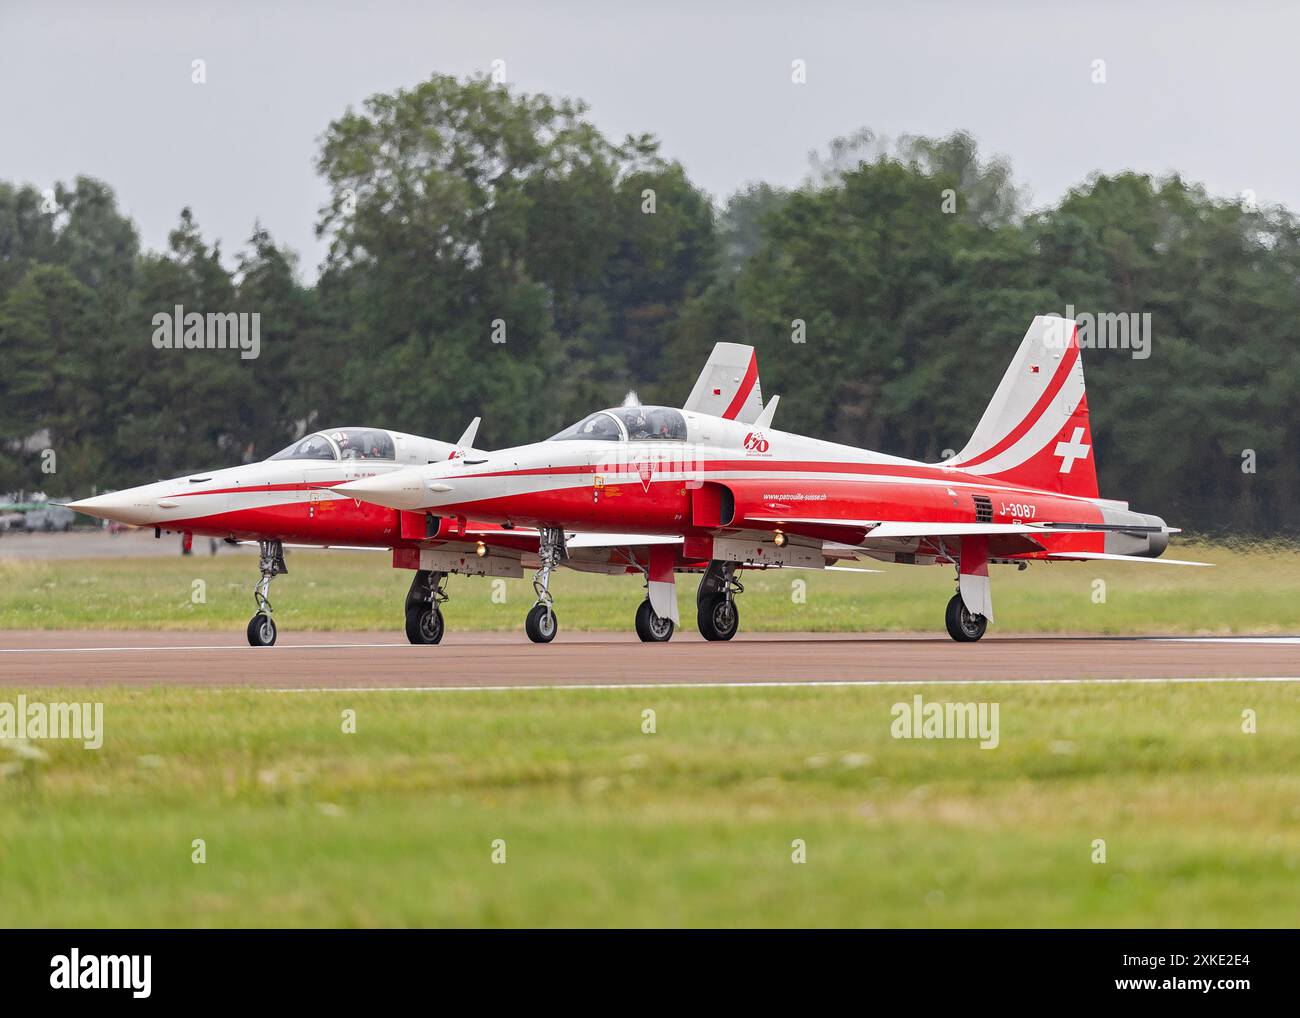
x: 104, y: 89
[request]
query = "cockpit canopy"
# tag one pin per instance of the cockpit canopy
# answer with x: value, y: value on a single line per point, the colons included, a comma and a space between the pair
x: 630, y: 423
x: 342, y: 444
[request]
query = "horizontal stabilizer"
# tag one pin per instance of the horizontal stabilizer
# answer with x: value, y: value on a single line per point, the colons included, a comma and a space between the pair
x: 1089, y: 556
x: 905, y: 528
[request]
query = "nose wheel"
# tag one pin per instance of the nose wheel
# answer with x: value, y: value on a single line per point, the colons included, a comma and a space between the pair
x: 261, y: 628
x: 261, y: 631
x: 540, y: 623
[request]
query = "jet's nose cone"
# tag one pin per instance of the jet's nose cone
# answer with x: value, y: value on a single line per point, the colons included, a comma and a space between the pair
x: 120, y: 506
x: 400, y: 490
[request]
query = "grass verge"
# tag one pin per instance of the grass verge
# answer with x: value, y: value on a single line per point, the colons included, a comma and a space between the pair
x: 304, y: 824
x: 1250, y: 590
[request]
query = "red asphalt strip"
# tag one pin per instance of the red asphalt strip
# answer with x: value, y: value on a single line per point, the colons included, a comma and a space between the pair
x: 354, y: 660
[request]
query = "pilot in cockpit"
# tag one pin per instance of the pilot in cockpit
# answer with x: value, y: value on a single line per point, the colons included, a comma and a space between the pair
x: 345, y: 446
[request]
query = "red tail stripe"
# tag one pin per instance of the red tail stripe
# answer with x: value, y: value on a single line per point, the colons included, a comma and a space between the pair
x: 746, y: 387
x: 1035, y: 412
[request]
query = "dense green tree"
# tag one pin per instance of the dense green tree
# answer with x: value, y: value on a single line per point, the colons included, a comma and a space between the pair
x: 27, y: 232
x: 53, y: 362
x: 885, y: 296
x: 492, y: 250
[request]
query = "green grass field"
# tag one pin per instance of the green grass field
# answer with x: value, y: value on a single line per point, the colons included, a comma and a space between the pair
x: 692, y: 825
x: 1250, y: 590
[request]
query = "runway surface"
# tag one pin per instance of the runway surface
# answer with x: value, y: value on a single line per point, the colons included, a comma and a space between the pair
x: 85, y: 543
x: 478, y: 660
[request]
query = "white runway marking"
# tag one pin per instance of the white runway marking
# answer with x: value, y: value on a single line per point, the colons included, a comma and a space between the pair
x: 775, y: 684
x: 204, y: 646
x: 1224, y: 639
x: 163, y: 648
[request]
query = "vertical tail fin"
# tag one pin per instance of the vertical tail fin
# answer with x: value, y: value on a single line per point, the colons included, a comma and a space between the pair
x: 728, y: 386
x: 1035, y: 431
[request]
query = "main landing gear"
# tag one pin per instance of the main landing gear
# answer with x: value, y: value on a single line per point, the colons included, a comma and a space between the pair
x: 261, y: 627
x: 963, y: 625
x: 424, y: 607
x: 716, y: 611
x: 650, y: 627
x: 541, y: 625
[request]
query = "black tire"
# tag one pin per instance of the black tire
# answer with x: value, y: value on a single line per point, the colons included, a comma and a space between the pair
x: 651, y: 627
x: 718, y: 617
x: 963, y: 625
x: 261, y: 631
x: 541, y: 624
x: 424, y: 624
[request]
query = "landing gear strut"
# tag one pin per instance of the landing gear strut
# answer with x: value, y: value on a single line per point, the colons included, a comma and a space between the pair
x: 423, y: 606
x: 261, y: 627
x: 540, y: 625
x: 716, y: 611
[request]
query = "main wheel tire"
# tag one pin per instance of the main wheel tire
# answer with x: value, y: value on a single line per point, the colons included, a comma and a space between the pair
x: 424, y: 624
x: 541, y: 625
x: 261, y: 631
x: 964, y: 626
x: 651, y: 627
x: 718, y: 617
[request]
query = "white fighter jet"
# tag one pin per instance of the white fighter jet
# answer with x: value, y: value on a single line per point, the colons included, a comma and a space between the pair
x: 288, y: 500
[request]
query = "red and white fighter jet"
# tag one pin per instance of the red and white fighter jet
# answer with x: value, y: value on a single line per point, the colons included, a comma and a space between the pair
x: 287, y: 499
x: 736, y: 494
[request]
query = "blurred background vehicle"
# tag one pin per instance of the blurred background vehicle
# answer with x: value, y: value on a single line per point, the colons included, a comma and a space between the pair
x: 49, y: 517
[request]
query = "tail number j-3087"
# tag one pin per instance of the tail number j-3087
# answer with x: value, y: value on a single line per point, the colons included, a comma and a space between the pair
x: 1018, y: 510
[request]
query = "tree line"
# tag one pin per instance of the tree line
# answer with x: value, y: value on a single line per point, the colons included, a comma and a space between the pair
x: 492, y: 253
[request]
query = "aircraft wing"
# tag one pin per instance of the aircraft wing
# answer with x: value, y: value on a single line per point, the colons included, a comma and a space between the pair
x: 617, y: 540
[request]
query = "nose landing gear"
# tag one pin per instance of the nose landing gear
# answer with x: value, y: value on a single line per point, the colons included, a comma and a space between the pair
x: 261, y: 627
x: 540, y: 624
x: 717, y: 613
x: 428, y: 593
